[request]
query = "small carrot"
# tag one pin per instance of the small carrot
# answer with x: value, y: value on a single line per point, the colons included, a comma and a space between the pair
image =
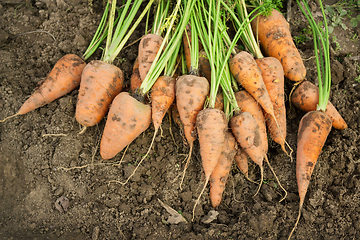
x: 127, y: 119
x: 148, y: 48
x: 306, y: 98
x: 100, y: 83
x: 204, y: 65
x: 135, y: 80
x: 276, y: 41
x: 187, y: 46
x: 248, y: 104
x: 247, y: 133
x: 219, y: 102
x: 241, y: 160
x: 273, y: 76
x: 62, y: 79
x: 221, y: 172
x: 248, y: 74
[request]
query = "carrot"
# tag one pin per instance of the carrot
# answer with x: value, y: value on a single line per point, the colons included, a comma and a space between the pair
x: 187, y: 46
x: 314, y: 128
x: 221, y: 172
x: 148, y: 48
x: 248, y: 74
x: 241, y: 160
x: 219, y: 102
x: 276, y: 41
x: 191, y: 92
x: 126, y: 120
x: 100, y: 83
x: 62, y: 79
x: 273, y: 76
x: 306, y: 98
x: 247, y: 133
x: 248, y: 104
x: 204, y: 65
x: 135, y: 80
x: 211, y: 125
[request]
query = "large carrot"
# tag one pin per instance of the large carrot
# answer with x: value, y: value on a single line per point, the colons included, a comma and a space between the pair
x: 248, y: 104
x: 248, y: 74
x: 191, y: 92
x: 241, y: 160
x: 315, y: 126
x: 62, y: 79
x: 127, y: 118
x: 221, y: 171
x: 276, y: 41
x: 306, y: 98
x: 273, y: 76
x: 100, y: 83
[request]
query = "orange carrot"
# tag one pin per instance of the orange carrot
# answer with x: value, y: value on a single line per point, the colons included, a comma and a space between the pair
x: 248, y: 104
x: 187, y: 43
x: 221, y: 172
x: 314, y: 128
x: 273, y: 76
x: 100, y: 83
x: 162, y: 97
x: 247, y: 133
x: 211, y: 125
x: 306, y: 98
x: 191, y: 92
x: 204, y: 65
x: 148, y: 48
x: 276, y: 41
x: 241, y: 160
x: 135, y: 80
x: 63, y: 78
x: 248, y: 74
x: 219, y: 102
x: 126, y: 120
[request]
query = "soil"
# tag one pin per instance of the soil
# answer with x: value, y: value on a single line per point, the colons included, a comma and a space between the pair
x: 54, y: 185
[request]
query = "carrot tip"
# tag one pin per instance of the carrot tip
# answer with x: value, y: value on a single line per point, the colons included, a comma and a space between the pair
x: 186, y: 166
x: 9, y: 117
x: 261, y: 180
x: 82, y: 130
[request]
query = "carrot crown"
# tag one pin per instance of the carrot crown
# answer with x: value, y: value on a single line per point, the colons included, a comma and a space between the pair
x: 322, y: 53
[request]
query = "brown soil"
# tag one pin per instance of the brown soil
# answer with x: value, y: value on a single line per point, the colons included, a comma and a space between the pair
x: 41, y: 199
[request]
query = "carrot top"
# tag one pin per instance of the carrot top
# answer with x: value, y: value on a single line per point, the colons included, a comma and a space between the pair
x: 322, y: 53
x: 163, y: 56
x: 116, y: 40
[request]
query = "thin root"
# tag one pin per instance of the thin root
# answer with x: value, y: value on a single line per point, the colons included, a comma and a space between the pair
x: 261, y: 180
x: 9, y: 117
x: 186, y: 166
x: 123, y: 156
x: 82, y: 130
x: 198, y: 199
x: 296, y: 223
x: 142, y: 159
x: 272, y: 170
x: 54, y: 135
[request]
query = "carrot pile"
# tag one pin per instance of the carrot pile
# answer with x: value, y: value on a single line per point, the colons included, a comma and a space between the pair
x: 232, y: 101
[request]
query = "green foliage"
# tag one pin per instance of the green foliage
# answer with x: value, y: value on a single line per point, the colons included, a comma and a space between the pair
x: 337, y: 12
x: 266, y: 5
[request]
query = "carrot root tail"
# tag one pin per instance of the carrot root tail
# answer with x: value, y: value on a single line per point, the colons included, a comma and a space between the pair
x: 82, y: 130
x: 142, y: 159
x: 9, y: 117
x: 198, y: 199
x: 296, y: 223
x: 277, y: 179
x: 186, y: 166
x: 261, y: 180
